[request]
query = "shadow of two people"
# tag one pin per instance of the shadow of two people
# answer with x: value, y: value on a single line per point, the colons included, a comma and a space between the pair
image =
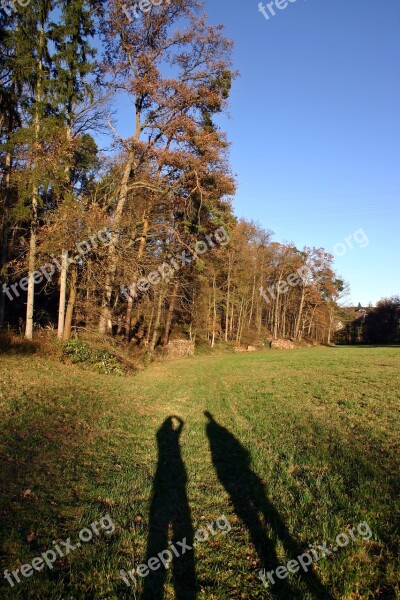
x: 170, y: 508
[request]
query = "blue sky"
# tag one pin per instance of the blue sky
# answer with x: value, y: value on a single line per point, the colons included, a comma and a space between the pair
x: 315, y: 129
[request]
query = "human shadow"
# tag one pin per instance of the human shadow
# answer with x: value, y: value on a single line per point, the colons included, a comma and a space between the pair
x: 170, y: 509
x: 232, y: 463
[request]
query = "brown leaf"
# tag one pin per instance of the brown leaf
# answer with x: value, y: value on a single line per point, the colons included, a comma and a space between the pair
x: 31, y: 536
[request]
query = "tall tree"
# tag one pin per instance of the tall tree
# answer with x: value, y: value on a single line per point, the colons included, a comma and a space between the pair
x: 72, y: 67
x: 32, y: 66
x: 9, y: 122
x: 170, y: 144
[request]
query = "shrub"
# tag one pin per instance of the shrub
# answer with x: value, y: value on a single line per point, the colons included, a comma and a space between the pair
x: 101, y: 360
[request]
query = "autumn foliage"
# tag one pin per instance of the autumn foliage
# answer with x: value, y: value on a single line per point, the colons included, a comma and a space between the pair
x: 159, y: 190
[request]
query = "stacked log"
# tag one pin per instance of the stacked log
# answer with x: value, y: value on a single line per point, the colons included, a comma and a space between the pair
x: 282, y: 345
x: 180, y: 348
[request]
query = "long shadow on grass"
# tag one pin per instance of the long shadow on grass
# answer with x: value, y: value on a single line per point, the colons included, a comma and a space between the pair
x: 170, y: 508
x: 232, y: 464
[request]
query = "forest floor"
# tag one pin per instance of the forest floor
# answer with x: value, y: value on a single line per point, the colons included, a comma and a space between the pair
x: 297, y: 448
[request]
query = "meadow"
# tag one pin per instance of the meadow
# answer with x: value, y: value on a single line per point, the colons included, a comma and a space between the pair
x: 290, y: 448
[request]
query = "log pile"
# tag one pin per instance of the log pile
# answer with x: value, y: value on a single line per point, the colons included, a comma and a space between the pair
x: 180, y: 348
x: 282, y: 345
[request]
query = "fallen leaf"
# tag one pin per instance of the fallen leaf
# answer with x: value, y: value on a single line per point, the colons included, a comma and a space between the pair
x: 31, y: 536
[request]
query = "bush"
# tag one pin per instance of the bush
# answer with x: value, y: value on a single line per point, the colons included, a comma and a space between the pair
x: 101, y: 360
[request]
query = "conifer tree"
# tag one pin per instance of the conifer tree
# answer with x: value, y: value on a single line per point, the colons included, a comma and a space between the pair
x: 73, y: 66
x: 33, y: 69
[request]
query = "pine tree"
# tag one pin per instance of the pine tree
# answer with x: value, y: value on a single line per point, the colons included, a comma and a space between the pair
x: 9, y: 122
x: 32, y: 71
x: 72, y: 69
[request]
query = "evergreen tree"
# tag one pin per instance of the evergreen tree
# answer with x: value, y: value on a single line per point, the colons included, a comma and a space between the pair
x: 72, y: 68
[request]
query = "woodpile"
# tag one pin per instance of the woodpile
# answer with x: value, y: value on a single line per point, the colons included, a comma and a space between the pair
x: 244, y: 349
x: 282, y: 345
x: 180, y: 348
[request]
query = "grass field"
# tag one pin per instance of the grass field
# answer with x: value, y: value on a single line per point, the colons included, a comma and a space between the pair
x: 297, y: 448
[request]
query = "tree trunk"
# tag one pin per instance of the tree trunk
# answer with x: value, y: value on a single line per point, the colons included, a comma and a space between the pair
x: 258, y: 315
x: 259, y: 301
x: 170, y: 314
x: 34, y: 222
x: 276, y: 312
x: 208, y: 327
x: 299, y: 315
x: 283, y: 321
x: 228, y: 297
x: 90, y: 292
x: 64, y: 256
x: 276, y: 308
x: 214, y: 307
x: 239, y: 326
x: 150, y: 324
x: 63, y: 291
x: 4, y: 230
x: 242, y: 324
x: 232, y: 320
x: 105, y: 325
x: 31, y: 269
x: 71, y: 302
x: 331, y: 319
x: 252, y: 300
x: 311, y: 320
x: 142, y: 244
x: 156, y: 332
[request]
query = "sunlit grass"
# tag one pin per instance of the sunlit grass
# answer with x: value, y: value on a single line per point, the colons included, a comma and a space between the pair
x: 321, y: 426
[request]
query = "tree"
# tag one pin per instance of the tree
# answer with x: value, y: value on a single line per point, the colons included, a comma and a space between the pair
x: 158, y: 194
x: 175, y: 151
x: 72, y: 66
x: 51, y: 65
x: 382, y: 325
x: 9, y: 122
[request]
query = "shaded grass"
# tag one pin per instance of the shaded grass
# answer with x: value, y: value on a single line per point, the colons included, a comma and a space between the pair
x: 321, y: 430
x: 13, y: 344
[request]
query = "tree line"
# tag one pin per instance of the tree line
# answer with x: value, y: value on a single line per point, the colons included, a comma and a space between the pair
x: 372, y: 325
x: 86, y: 232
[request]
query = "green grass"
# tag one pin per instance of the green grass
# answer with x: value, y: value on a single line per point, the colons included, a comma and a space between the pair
x: 304, y: 444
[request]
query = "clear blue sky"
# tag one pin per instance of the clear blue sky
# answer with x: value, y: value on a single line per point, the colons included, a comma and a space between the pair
x: 315, y: 129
